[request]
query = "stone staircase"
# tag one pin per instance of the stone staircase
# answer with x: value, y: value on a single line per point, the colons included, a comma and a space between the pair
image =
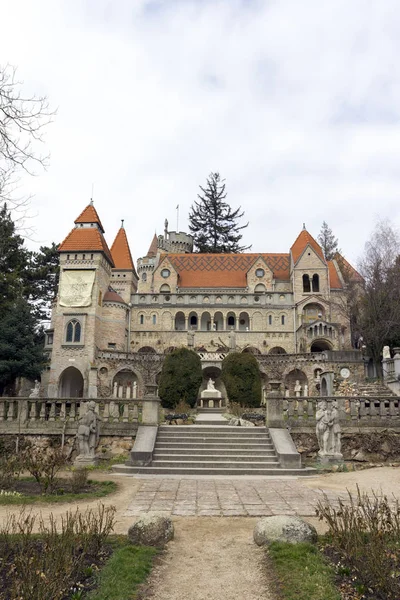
x: 210, y: 449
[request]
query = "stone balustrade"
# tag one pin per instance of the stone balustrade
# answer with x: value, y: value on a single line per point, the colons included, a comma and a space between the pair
x: 52, y: 415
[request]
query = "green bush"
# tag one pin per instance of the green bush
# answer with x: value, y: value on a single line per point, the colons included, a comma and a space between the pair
x: 180, y: 379
x: 241, y: 376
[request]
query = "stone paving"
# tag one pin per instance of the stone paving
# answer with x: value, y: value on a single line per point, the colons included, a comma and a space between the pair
x: 225, y: 497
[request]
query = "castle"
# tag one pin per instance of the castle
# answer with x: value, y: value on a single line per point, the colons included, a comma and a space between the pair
x: 112, y: 323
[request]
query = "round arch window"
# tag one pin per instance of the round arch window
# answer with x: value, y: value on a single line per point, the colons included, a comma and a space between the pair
x: 260, y: 272
x: 165, y: 273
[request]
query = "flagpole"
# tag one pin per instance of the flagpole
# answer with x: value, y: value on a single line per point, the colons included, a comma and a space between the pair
x: 177, y: 218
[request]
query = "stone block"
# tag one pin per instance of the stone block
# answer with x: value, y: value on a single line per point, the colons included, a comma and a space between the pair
x: 284, y: 528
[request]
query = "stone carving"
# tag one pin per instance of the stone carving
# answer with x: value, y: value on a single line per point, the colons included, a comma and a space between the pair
x: 386, y: 352
x: 305, y: 393
x: 210, y: 384
x: 328, y: 431
x: 232, y: 340
x: 134, y: 390
x: 88, y: 434
x: 297, y: 389
x: 35, y: 391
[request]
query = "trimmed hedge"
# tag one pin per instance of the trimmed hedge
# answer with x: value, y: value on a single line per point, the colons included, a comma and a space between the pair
x: 241, y: 376
x: 180, y: 379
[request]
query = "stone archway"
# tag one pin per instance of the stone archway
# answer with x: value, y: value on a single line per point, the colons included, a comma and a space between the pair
x: 125, y: 384
x: 214, y: 373
x: 320, y: 346
x: 71, y: 383
x: 290, y: 381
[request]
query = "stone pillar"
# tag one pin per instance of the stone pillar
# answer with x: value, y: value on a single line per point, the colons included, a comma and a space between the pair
x: 92, y: 382
x: 275, y: 406
x: 396, y: 360
x: 186, y: 322
x: 150, y: 405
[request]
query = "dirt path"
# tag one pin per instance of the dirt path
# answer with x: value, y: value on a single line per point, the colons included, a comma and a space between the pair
x: 211, y: 558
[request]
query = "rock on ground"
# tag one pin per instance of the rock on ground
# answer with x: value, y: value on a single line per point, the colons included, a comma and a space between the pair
x: 283, y: 528
x: 151, y: 530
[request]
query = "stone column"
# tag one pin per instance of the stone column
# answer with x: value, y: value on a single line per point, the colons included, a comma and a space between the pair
x: 92, y: 382
x: 151, y: 405
x: 275, y: 406
x: 186, y: 322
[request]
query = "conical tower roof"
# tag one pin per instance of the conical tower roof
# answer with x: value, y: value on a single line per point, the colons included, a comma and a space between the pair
x: 121, y: 252
x: 152, y: 251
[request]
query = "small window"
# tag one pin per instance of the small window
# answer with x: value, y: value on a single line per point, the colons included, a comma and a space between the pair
x: 165, y: 273
x: 167, y: 298
x: 144, y: 276
x: 260, y: 272
x: 269, y: 319
x: 193, y: 320
x: 306, y: 284
x: 283, y: 319
x: 50, y: 338
x: 256, y: 298
x: 67, y: 256
x: 91, y: 256
x: 76, y: 257
x: 142, y: 319
x: 112, y: 345
x: 231, y: 321
x: 154, y: 319
x: 73, y: 333
x: 315, y: 283
x: 83, y: 256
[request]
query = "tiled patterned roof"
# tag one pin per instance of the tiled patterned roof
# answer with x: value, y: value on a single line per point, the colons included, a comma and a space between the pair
x: 89, y: 215
x: 303, y: 239
x: 86, y: 239
x: 347, y: 270
x: 223, y: 270
x: 334, y: 278
x: 121, y: 253
x: 153, y: 247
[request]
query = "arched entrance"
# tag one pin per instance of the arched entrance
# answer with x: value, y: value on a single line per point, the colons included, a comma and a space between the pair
x: 277, y: 350
x: 320, y: 346
x: 70, y: 383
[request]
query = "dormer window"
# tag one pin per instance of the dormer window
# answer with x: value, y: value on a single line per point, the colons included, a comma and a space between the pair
x: 260, y: 272
x: 165, y: 273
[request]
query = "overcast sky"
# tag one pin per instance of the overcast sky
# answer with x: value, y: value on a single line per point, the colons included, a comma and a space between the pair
x: 295, y: 103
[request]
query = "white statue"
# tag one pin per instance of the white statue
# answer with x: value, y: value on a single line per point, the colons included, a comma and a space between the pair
x: 35, y: 390
x: 324, y: 428
x: 134, y: 390
x: 88, y: 432
x: 386, y: 352
x: 210, y: 385
x: 297, y: 389
x: 305, y: 393
x: 336, y: 430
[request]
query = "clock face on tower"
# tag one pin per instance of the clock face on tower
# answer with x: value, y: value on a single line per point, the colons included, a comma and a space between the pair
x: 345, y: 373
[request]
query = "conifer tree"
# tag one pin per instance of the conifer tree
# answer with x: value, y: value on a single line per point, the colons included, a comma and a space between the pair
x: 328, y: 242
x: 212, y: 222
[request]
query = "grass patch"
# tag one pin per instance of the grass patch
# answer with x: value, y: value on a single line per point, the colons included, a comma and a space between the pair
x: 127, y: 568
x: 96, y: 489
x: 302, y: 572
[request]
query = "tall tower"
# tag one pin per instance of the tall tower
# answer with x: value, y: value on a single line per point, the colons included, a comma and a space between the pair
x: 85, y: 272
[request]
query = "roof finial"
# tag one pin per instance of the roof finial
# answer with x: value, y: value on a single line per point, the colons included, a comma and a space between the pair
x: 122, y: 223
x: 91, y: 201
x: 304, y: 225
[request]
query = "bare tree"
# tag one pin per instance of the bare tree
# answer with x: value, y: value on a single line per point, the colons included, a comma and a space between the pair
x: 23, y: 120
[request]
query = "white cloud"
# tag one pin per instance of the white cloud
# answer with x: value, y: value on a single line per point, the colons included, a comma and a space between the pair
x: 297, y: 104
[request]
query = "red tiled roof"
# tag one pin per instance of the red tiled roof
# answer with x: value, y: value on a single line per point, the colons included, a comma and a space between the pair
x: 121, y: 253
x: 86, y: 239
x: 111, y: 296
x: 152, y: 251
x: 223, y: 270
x: 346, y: 269
x: 334, y: 278
x: 303, y: 239
x: 89, y: 215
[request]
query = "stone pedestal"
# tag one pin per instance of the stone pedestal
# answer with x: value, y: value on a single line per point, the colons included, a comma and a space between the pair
x: 150, y: 406
x: 274, y: 405
x: 211, y: 399
x: 85, y: 461
x: 330, y: 459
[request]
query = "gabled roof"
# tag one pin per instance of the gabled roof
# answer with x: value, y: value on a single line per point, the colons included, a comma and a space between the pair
x: 303, y: 240
x: 346, y: 269
x: 86, y: 239
x: 335, y: 282
x: 89, y: 215
x: 223, y: 270
x: 152, y: 251
x: 121, y: 252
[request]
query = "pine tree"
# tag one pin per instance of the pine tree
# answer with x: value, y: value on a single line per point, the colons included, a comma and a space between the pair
x: 13, y: 260
x: 328, y: 242
x: 42, y: 280
x: 212, y: 222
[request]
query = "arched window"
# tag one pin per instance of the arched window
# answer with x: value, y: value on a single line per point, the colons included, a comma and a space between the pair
x: 315, y: 283
x: 283, y: 319
x: 154, y: 319
x: 142, y: 319
x: 269, y: 319
x: 144, y: 276
x: 165, y: 289
x: 306, y: 283
x: 231, y: 321
x: 193, y: 320
x: 73, y: 333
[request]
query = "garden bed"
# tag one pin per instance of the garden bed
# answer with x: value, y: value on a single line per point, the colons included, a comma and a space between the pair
x: 27, y: 491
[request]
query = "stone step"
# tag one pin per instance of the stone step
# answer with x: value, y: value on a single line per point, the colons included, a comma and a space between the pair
x: 209, y: 471
x: 218, y: 464
x: 222, y: 433
x: 201, y: 458
x: 216, y: 446
x: 213, y: 438
x: 243, y: 451
x: 219, y: 427
x: 207, y: 422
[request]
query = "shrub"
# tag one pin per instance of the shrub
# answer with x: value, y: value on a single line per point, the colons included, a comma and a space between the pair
x: 79, y: 479
x: 44, y: 465
x: 241, y: 376
x: 10, y: 469
x: 180, y: 379
x: 366, y: 533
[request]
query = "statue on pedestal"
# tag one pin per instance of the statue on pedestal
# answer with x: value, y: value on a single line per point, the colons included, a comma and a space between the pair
x: 88, y: 434
x: 297, y: 389
x: 210, y: 385
x: 328, y: 432
x: 35, y: 391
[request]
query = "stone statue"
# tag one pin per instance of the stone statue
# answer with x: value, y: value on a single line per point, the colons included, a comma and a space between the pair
x: 134, y: 390
x: 336, y: 430
x: 88, y: 434
x: 232, y: 340
x: 305, y: 393
x: 35, y: 390
x: 323, y: 428
x: 386, y: 352
x: 190, y: 339
x: 210, y: 385
x: 297, y: 389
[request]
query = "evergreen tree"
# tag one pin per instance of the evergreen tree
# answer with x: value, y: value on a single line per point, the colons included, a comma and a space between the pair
x: 13, y: 260
x: 212, y: 222
x: 180, y: 379
x: 241, y: 376
x: 42, y: 280
x: 328, y: 242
